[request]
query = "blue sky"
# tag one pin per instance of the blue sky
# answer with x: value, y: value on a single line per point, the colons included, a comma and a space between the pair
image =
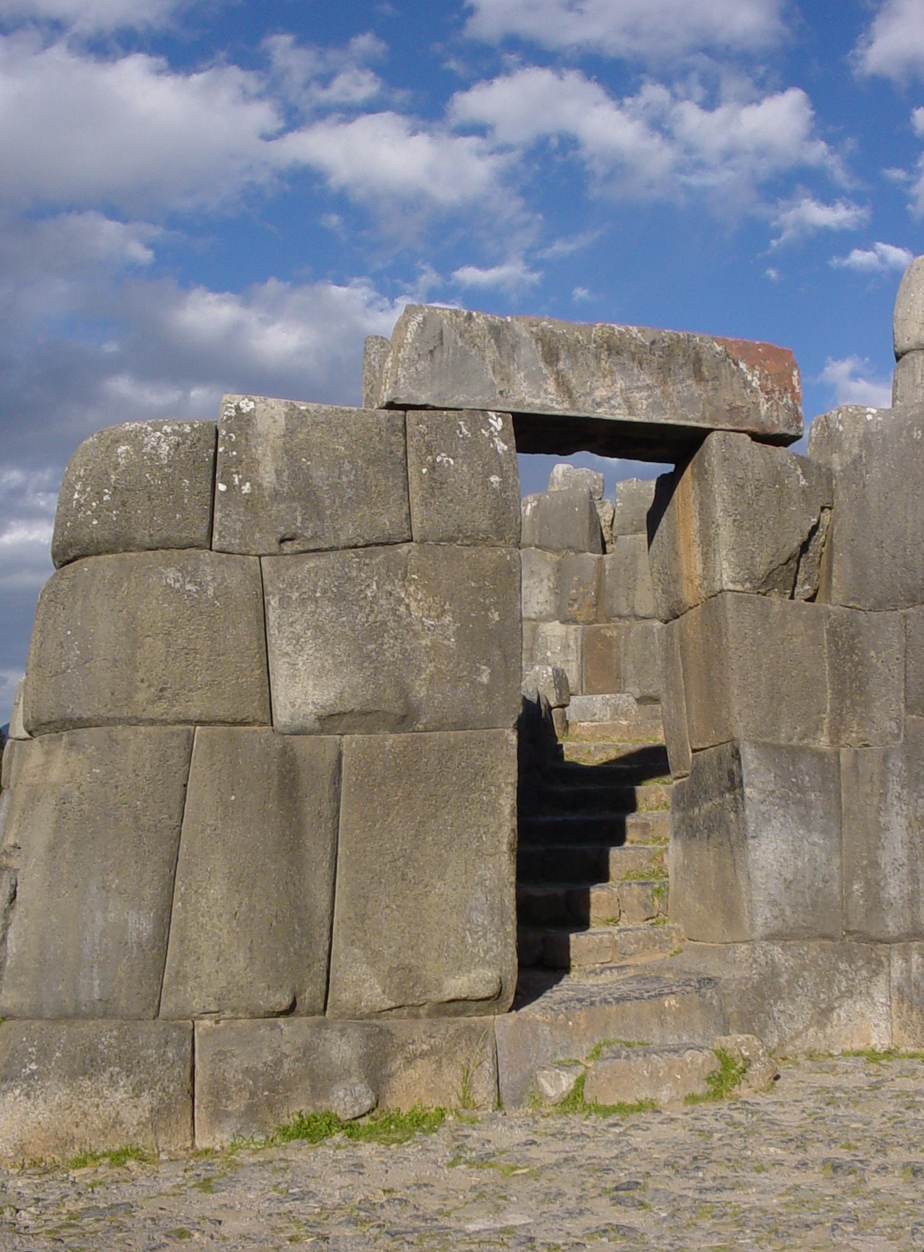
x: 229, y: 196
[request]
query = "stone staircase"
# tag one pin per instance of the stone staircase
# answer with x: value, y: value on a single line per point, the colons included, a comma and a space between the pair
x: 592, y: 887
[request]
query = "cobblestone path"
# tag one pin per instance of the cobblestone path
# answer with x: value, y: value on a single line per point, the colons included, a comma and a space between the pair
x: 832, y: 1158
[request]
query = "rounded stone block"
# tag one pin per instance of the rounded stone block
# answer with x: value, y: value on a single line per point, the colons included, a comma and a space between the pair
x: 150, y: 637
x: 252, y: 905
x: 425, y: 913
x: 908, y: 380
x: 908, y: 317
x: 92, y: 832
x: 308, y: 477
x: 136, y: 487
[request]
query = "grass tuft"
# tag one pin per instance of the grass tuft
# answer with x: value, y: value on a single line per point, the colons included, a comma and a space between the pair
x: 388, y: 1127
x: 724, y: 1082
x: 116, y: 1158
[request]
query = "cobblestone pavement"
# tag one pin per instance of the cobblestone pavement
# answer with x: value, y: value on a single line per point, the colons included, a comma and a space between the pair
x: 832, y: 1158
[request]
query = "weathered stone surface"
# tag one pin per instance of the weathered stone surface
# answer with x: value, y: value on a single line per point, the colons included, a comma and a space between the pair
x: 627, y: 375
x: 352, y: 1101
x: 754, y: 669
x: 417, y: 637
x: 562, y: 521
x: 878, y: 532
x: 606, y: 512
x: 908, y: 380
x: 97, y: 816
x: 253, y: 900
x: 623, y: 656
x: 756, y: 845
x: 914, y: 661
x: 135, y: 487
x: 308, y: 477
x: 375, y: 352
x: 431, y: 820
x: 558, y: 645
x: 907, y: 985
x: 631, y: 502
x: 69, y: 1087
x: 865, y: 659
x: 665, y: 1074
x: 580, y: 574
x: 739, y: 516
x: 540, y: 583
x: 572, y: 1018
x: 13, y: 752
x: 17, y: 730
x: 252, y: 1076
x: 627, y: 589
x: 565, y: 476
x: 908, y: 316
x: 800, y: 997
x: 749, y: 1053
x: 883, y: 796
x: 554, y: 1083
x: 157, y: 637
x: 463, y: 478
x: 673, y: 701
x: 550, y: 683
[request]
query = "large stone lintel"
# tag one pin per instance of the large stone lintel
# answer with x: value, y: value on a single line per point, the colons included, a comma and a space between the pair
x: 593, y: 385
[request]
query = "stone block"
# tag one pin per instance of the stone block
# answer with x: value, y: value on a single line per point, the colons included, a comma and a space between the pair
x: 666, y: 1074
x: 463, y: 478
x: 96, y: 815
x: 865, y: 658
x: 254, y: 891
x: 562, y: 521
x: 549, y: 683
x: 908, y: 381
x: 673, y: 701
x: 431, y: 820
x: 540, y: 582
x: 135, y: 487
x: 883, y: 797
x: 571, y: 1019
x: 740, y: 516
x: 580, y: 577
x: 71, y: 1087
x: 149, y: 637
x: 907, y: 985
x: 13, y: 752
x: 914, y: 661
x: 627, y: 589
x: 558, y: 645
x: 908, y: 315
x: 798, y: 997
x: 409, y: 637
x: 754, y: 668
x: 755, y: 847
x: 878, y: 532
x: 375, y: 352
x: 678, y: 384
x: 623, y: 656
x: 253, y: 1076
x: 565, y: 476
x: 631, y: 502
x: 308, y: 477
x: 17, y: 730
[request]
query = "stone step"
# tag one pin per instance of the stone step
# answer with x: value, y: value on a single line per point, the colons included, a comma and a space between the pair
x: 595, y: 904
x: 611, y: 829
x: 588, y: 797
x: 584, y: 753
x: 605, y: 946
x: 589, y: 863
x: 645, y: 726
x: 567, y: 1018
x: 636, y: 766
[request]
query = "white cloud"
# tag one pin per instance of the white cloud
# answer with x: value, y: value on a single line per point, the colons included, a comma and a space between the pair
x: 89, y: 16
x: 879, y: 259
x: 893, y: 47
x: 314, y: 77
x: 657, y: 143
x: 511, y: 276
x: 849, y: 381
x: 805, y: 216
x: 917, y: 122
x: 647, y: 29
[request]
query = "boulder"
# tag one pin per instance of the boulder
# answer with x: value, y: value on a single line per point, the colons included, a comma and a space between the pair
x: 908, y: 316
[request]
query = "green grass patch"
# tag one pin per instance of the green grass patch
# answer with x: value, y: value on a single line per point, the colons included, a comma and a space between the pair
x: 877, y: 1057
x: 115, y: 1158
x: 724, y: 1082
x: 389, y: 1127
x: 576, y: 1103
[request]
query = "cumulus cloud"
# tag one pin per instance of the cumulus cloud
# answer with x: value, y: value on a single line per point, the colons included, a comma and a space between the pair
x: 850, y: 382
x: 878, y: 259
x: 637, y: 29
x: 511, y: 276
x: 317, y: 78
x: 893, y: 46
x: 656, y: 143
x: 92, y: 16
x: 803, y: 216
